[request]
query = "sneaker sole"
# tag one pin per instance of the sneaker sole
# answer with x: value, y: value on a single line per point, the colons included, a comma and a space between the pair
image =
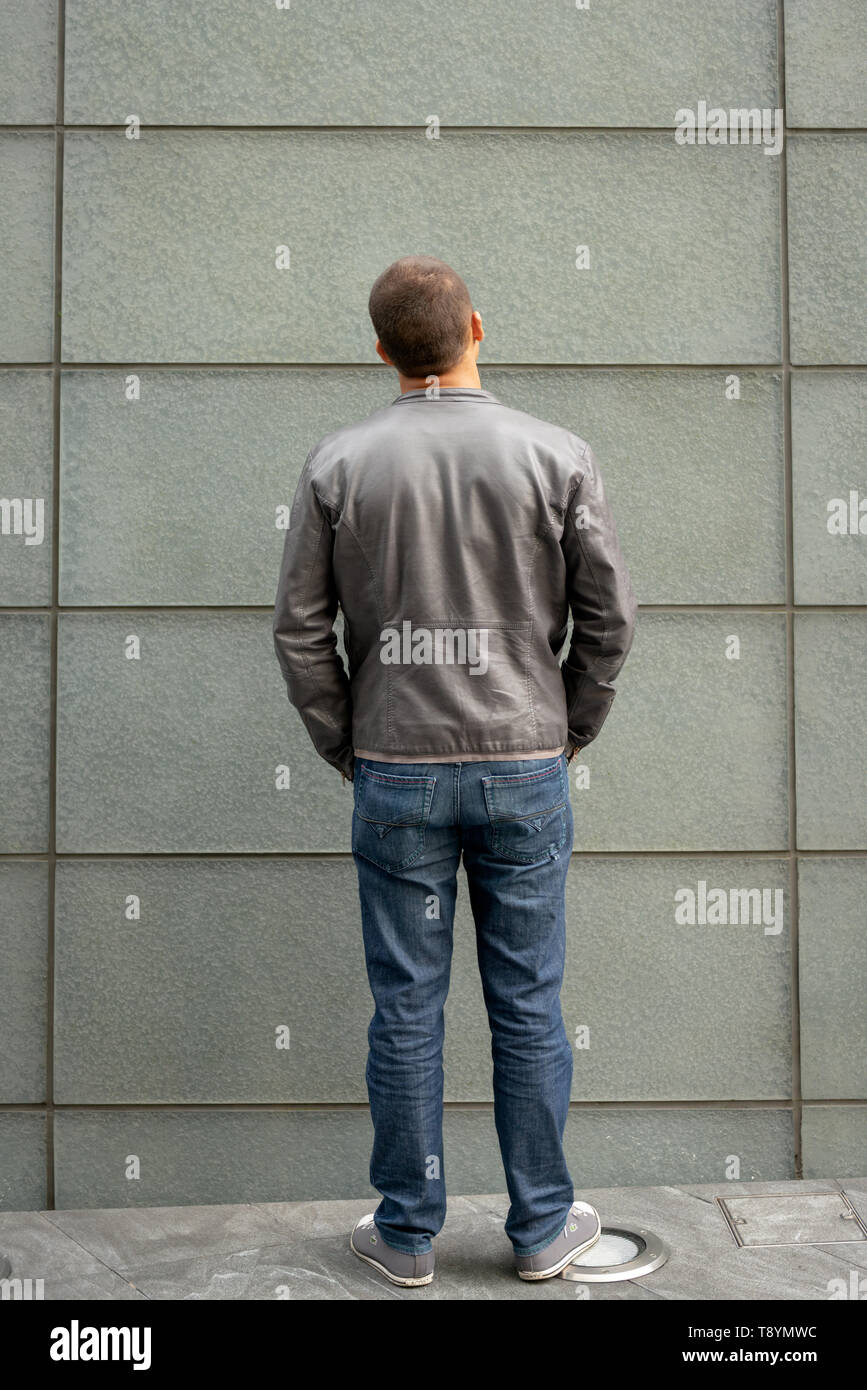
x: 561, y: 1264
x: 394, y: 1278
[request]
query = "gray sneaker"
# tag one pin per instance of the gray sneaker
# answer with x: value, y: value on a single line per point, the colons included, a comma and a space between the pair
x: 582, y: 1230
x: 409, y: 1270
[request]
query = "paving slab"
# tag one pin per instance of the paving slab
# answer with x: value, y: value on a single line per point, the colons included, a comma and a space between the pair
x: 143, y: 1235
x: 290, y: 1251
x: 705, y: 1262
x: 37, y: 1249
x: 473, y: 1263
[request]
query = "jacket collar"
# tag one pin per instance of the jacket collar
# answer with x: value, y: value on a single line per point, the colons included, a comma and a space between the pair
x: 455, y: 393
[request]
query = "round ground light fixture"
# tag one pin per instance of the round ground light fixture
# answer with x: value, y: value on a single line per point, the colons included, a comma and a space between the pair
x: 621, y: 1252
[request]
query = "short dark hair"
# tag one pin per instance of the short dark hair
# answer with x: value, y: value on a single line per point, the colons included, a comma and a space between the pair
x: 421, y: 311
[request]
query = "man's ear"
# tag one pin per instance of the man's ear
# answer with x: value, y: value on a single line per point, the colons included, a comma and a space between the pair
x: 381, y: 352
x: 476, y: 327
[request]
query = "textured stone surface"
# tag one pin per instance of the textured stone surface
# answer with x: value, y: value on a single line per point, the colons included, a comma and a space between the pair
x: 835, y: 1139
x: 693, y: 752
x: 660, y: 435
x: 205, y: 212
x: 174, y: 498
x: 473, y: 1261
x: 829, y: 442
x: 832, y: 896
x: 180, y: 750
x: 171, y: 499
x: 827, y: 181
x: 26, y: 246
x: 733, y: 1187
x: 26, y: 476
x: 137, y: 1018
x: 213, y: 61
x: 23, y: 968
x: 24, y: 710
x: 28, y: 61
x: 38, y: 1250
x: 825, y: 45
x: 287, y: 1251
x: 211, y: 1156
x: 177, y: 751
x: 22, y: 1160
x: 831, y: 729
x: 160, y: 1235
x: 664, y: 1005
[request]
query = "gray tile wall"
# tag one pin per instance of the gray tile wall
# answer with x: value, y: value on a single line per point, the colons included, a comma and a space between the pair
x: 167, y: 911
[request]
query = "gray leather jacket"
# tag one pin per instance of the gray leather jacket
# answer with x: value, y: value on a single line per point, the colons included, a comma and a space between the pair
x: 455, y: 534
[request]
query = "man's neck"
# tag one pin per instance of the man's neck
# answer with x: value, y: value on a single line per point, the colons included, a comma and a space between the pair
x: 465, y: 376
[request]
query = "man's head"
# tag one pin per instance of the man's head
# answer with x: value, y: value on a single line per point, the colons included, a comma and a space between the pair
x: 423, y: 316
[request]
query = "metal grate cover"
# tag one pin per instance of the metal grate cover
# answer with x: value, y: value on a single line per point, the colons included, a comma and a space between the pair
x: 792, y: 1218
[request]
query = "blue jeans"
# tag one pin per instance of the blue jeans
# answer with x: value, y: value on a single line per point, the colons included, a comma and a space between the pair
x: 513, y: 823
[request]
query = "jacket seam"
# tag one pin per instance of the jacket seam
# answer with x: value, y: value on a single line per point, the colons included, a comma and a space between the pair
x: 301, y: 616
x: 532, y: 612
x: 379, y: 609
x: 324, y: 501
x: 575, y: 485
x: 585, y: 675
x: 589, y: 563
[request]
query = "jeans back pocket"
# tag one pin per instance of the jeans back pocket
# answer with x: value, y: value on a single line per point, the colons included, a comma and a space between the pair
x: 528, y: 813
x: 390, y: 816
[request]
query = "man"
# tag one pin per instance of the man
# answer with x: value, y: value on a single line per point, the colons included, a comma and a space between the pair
x: 455, y: 534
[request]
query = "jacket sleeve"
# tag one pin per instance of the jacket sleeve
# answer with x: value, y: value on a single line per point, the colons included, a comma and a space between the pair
x: 303, y: 628
x: 602, y: 603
